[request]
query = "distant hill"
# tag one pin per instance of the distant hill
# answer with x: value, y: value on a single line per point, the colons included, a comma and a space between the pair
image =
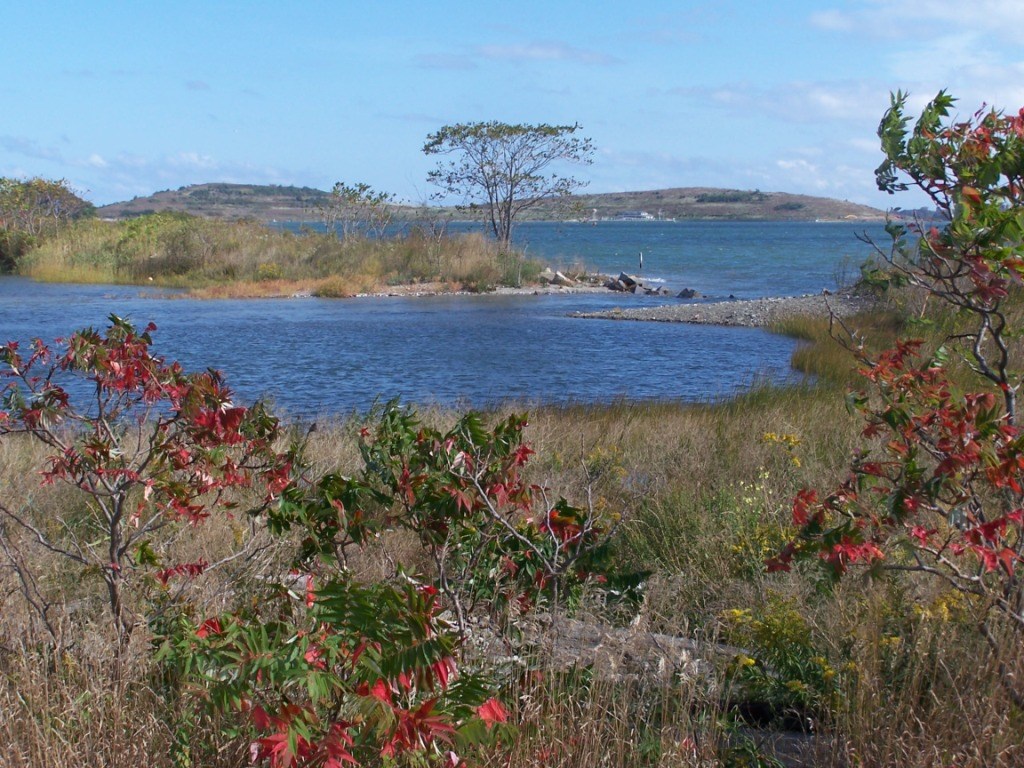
x: 712, y: 203
x: 224, y: 201
x: 236, y: 201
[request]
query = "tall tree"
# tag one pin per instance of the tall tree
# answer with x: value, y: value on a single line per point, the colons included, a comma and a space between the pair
x: 504, y: 168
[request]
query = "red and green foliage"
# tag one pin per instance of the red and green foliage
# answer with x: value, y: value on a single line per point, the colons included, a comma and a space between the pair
x: 148, y: 446
x: 492, y: 536
x: 939, y: 487
x: 945, y: 485
x: 341, y: 673
x: 331, y: 670
x: 321, y: 670
x: 973, y: 172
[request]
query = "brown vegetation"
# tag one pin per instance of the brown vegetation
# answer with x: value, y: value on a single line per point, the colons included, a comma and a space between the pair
x: 221, y: 258
x: 877, y: 676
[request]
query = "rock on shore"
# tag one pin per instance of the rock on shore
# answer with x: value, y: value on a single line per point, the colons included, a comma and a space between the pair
x: 749, y: 313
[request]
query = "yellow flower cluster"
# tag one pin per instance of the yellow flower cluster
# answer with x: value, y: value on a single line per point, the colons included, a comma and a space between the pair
x: 787, y: 441
x: 946, y: 607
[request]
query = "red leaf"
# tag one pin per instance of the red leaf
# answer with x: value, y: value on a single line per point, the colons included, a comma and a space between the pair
x: 209, y: 627
x: 381, y: 690
x: 444, y: 670
x: 804, y: 500
x: 492, y: 711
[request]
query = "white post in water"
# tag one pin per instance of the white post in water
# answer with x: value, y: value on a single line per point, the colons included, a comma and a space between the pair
x: 641, y: 254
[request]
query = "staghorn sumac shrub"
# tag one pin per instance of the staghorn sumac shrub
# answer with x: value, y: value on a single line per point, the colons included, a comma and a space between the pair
x: 939, y: 491
x: 939, y: 487
x: 341, y: 672
x: 325, y: 670
x: 491, y: 535
x: 146, y: 444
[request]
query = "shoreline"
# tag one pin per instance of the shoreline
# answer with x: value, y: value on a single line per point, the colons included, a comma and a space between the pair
x: 741, y: 313
x: 738, y: 313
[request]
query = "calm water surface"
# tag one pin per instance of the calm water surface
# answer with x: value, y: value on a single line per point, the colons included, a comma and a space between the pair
x: 313, y: 356
x: 747, y: 259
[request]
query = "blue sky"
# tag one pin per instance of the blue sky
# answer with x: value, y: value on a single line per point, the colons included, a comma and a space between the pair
x: 126, y: 98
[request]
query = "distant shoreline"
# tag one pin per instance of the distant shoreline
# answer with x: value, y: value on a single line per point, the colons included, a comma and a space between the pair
x: 269, y: 202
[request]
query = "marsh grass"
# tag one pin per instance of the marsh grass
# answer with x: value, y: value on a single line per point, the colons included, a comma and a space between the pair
x: 245, y: 258
x: 573, y: 719
x: 885, y: 673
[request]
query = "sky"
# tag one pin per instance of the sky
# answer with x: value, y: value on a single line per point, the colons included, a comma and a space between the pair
x: 123, y: 99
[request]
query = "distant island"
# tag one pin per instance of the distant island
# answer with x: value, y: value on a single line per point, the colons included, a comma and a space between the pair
x: 289, y: 203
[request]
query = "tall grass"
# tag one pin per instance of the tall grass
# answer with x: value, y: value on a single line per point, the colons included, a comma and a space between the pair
x: 885, y: 673
x: 183, y: 251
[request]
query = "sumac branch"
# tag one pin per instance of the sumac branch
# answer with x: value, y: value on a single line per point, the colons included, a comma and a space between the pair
x: 939, y: 487
x: 147, y: 445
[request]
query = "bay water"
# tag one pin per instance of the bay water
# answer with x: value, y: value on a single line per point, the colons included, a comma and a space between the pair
x: 328, y: 356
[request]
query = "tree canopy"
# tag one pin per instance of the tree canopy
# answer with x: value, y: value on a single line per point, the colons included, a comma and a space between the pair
x: 34, y: 208
x: 505, y: 168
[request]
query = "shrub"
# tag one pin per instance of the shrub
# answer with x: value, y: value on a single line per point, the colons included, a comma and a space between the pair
x: 147, y: 445
x: 939, y: 487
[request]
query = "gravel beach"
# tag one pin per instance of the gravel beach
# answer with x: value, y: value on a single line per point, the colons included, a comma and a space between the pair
x: 749, y: 313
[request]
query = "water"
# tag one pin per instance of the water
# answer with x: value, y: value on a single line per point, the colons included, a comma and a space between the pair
x: 313, y: 356
x: 745, y: 259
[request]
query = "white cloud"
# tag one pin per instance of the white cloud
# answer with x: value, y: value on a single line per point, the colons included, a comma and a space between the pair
x: 803, y: 173
x: 972, y: 49
x: 654, y: 170
x: 832, y: 20
x: 19, y: 145
x: 545, y: 51
x: 799, y: 102
x: 864, y: 145
x: 192, y: 161
x: 911, y: 20
x: 126, y: 175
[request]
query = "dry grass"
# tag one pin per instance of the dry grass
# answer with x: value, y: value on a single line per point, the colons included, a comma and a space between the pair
x: 234, y: 259
x: 704, y: 493
x: 68, y: 708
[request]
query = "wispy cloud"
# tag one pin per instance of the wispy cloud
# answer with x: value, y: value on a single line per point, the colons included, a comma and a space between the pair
x: 546, y: 51
x: 828, y: 178
x: 452, y: 61
x: 973, y: 49
x: 808, y: 170
x: 19, y: 145
x: 799, y: 102
x: 655, y: 170
x: 912, y: 20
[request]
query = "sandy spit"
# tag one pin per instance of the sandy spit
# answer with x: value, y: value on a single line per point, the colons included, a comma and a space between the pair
x: 749, y: 313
